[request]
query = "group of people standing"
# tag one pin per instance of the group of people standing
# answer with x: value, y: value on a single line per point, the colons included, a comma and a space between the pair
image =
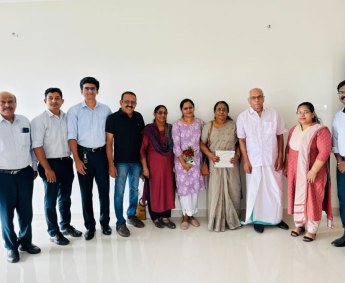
x: 170, y: 158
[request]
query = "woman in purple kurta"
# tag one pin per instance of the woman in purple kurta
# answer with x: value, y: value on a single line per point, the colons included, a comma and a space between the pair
x: 186, y: 133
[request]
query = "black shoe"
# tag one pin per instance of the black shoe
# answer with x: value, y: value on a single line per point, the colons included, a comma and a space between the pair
x: 283, y: 225
x: 135, y: 222
x: 59, y: 239
x: 89, y: 234
x: 71, y: 231
x: 259, y: 228
x: 29, y: 248
x: 339, y: 242
x: 106, y: 230
x: 13, y: 256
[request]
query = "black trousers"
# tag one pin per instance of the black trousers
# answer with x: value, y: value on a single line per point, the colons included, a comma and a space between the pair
x: 60, y: 190
x: 16, y: 194
x: 97, y: 168
x: 155, y: 215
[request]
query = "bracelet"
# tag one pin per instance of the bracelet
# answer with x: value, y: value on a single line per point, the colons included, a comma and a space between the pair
x: 239, y: 156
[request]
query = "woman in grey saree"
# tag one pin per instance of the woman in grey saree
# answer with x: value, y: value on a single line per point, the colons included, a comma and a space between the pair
x: 224, y: 191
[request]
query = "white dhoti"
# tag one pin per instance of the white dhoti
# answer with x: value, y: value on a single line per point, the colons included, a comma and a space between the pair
x: 264, y: 196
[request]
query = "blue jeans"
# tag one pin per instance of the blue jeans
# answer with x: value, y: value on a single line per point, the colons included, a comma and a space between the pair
x: 341, y: 195
x: 132, y: 171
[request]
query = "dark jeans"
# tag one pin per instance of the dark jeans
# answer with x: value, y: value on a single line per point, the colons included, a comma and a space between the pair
x: 341, y: 195
x: 97, y: 168
x: 155, y: 215
x: 60, y: 190
x: 16, y: 194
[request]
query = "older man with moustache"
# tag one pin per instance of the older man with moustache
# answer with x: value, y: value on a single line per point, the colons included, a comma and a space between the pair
x: 16, y: 178
x: 338, y: 148
x: 124, y: 129
x: 49, y: 140
x: 260, y: 131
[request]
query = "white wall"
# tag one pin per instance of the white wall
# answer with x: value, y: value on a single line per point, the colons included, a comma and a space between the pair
x: 168, y: 50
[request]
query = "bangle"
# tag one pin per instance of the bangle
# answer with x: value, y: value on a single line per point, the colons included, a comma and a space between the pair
x: 238, y: 154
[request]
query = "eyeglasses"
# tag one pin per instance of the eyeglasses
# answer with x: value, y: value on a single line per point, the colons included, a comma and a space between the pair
x: 188, y: 108
x: 162, y: 113
x: 341, y: 92
x: 9, y: 102
x: 302, y: 112
x: 129, y: 102
x: 260, y: 97
x: 222, y: 110
x: 89, y: 88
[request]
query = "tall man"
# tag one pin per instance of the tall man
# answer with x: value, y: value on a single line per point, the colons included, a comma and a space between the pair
x: 86, y: 135
x: 49, y: 141
x: 338, y: 131
x: 16, y: 178
x: 260, y: 131
x: 124, y: 131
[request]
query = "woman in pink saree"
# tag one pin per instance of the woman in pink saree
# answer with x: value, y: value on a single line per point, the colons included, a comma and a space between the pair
x: 307, y: 169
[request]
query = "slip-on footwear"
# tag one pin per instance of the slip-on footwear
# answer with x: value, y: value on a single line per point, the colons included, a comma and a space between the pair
x: 13, y: 256
x: 184, y: 225
x: 194, y: 222
x: 29, y: 248
x: 283, y: 225
x: 259, y: 228
x: 339, y: 242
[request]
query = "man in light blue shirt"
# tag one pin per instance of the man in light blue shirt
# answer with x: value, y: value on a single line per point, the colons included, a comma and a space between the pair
x: 338, y: 148
x: 50, y: 143
x: 86, y: 135
x: 16, y: 178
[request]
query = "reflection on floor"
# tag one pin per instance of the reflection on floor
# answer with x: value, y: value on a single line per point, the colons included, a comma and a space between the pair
x: 194, y: 255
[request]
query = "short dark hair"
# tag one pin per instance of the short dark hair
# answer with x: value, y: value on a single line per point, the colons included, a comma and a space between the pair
x: 340, y: 85
x: 128, y: 92
x: 227, y: 107
x: 312, y: 110
x: 51, y: 90
x: 89, y: 80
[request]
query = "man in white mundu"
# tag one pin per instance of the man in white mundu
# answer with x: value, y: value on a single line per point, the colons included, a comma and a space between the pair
x: 260, y: 131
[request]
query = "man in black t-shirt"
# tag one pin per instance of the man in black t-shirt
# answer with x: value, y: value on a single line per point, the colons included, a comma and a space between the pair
x: 123, y: 129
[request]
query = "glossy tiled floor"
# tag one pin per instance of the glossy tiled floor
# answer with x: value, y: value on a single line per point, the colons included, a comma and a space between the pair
x: 194, y: 255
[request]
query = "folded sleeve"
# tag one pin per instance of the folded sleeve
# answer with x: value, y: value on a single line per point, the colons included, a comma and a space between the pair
x: 72, y: 124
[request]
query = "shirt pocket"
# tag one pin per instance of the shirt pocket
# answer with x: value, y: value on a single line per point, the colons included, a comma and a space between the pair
x: 25, y: 139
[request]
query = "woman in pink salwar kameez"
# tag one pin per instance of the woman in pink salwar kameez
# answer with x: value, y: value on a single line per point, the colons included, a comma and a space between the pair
x: 307, y: 169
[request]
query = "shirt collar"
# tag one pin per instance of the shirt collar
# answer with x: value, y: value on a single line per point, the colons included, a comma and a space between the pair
x: 251, y: 110
x: 50, y: 114
x: 15, y: 118
x: 84, y: 104
x: 123, y: 113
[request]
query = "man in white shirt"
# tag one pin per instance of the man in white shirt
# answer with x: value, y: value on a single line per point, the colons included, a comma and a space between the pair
x: 50, y: 143
x: 260, y: 131
x: 338, y: 148
x: 16, y: 178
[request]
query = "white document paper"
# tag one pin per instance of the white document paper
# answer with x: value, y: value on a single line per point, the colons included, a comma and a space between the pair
x: 224, y: 156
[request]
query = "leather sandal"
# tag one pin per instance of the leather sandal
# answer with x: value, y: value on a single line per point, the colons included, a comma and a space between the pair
x: 296, y: 234
x: 308, y: 239
x: 159, y: 223
x: 169, y: 224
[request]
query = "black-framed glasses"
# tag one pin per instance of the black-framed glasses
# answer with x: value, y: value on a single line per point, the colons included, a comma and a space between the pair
x: 162, y: 113
x: 129, y: 102
x: 302, y: 112
x: 89, y: 88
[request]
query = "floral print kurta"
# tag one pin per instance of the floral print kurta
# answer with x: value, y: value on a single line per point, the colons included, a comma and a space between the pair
x: 188, y: 182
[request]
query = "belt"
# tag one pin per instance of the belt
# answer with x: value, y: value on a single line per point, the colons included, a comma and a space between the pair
x: 59, y: 158
x: 91, y: 149
x: 13, y: 172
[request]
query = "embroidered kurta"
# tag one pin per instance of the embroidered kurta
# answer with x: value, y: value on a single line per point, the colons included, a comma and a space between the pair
x: 188, y: 182
x: 319, y: 149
